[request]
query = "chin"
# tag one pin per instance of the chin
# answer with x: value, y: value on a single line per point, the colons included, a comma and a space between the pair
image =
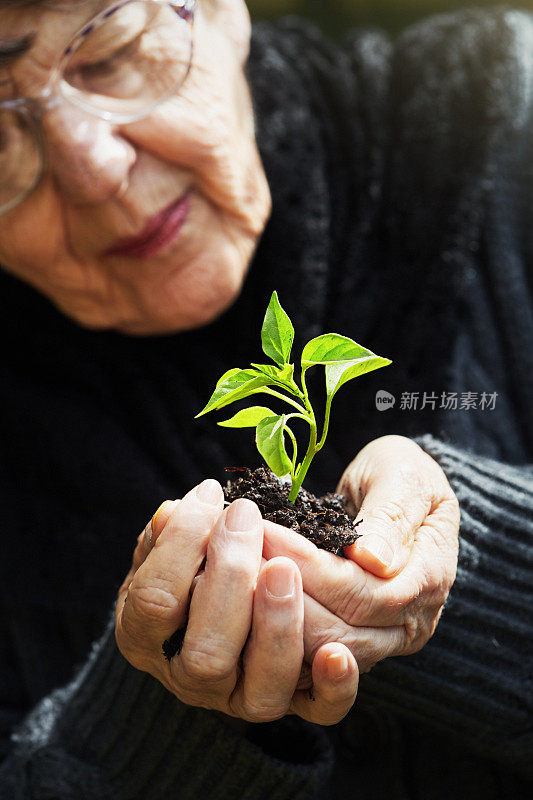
x: 196, y: 294
x: 191, y: 298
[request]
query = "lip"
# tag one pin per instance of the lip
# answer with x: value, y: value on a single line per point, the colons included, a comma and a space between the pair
x: 157, y: 232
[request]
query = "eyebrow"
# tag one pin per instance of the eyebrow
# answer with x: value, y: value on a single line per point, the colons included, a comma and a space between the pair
x: 10, y: 50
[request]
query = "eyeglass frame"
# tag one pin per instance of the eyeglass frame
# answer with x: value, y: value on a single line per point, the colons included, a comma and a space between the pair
x: 33, y: 108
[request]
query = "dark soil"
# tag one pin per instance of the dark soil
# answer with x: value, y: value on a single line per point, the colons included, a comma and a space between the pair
x: 322, y: 520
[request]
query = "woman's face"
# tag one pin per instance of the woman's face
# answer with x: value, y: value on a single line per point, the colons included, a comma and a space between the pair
x: 149, y: 227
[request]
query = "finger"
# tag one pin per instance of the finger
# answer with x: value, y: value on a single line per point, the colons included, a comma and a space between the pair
x: 145, y: 541
x: 335, y: 683
x: 221, y: 608
x: 398, y: 490
x: 274, y: 652
x: 367, y: 644
x: 151, y: 532
x: 351, y: 594
x: 158, y: 522
x: 338, y: 584
x: 158, y: 594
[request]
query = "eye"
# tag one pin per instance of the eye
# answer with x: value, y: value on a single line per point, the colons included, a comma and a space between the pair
x: 129, y: 61
x: 86, y: 73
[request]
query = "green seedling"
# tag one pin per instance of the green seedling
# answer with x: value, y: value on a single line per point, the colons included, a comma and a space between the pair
x: 343, y: 360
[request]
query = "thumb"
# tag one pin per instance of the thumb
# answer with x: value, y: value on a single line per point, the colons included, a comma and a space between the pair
x: 389, y: 517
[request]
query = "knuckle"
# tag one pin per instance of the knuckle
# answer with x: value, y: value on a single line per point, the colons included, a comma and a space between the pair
x: 421, y: 620
x: 417, y: 633
x: 256, y: 710
x: 285, y: 639
x: 411, y: 634
x: 436, y: 579
x: 392, y: 604
x: 423, y: 605
x: 444, y: 539
x: 238, y: 570
x: 204, y: 661
x: 126, y: 583
x: 154, y: 604
x: 412, y: 477
x: 392, y: 512
x: 451, y: 512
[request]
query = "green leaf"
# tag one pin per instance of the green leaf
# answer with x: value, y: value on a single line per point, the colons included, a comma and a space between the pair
x: 247, y: 418
x: 339, y: 373
x: 277, y: 333
x: 331, y: 348
x: 227, y: 375
x: 236, y: 385
x: 270, y: 443
x: 283, y: 374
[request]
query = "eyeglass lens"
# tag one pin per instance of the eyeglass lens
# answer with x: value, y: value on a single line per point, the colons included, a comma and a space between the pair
x: 120, y: 66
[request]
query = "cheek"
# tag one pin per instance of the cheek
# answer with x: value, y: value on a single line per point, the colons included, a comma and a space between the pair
x: 32, y: 232
x: 33, y: 244
x: 207, y: 130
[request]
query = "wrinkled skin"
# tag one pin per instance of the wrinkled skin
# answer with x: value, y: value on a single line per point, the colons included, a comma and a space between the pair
x: 103, y: 183
x: 384, y: 600
x: 245, y: 623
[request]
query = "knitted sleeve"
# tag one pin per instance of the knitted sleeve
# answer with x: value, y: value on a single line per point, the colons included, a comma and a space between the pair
x: 474, y: 679
x: 115, y: 733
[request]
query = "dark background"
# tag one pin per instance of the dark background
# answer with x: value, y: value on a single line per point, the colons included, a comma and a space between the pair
x: 338, y: 15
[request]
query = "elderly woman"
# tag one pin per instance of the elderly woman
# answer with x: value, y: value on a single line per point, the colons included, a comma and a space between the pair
x: 158, y: 179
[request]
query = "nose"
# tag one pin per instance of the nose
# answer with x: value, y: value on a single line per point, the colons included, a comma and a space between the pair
x: 88, y: 158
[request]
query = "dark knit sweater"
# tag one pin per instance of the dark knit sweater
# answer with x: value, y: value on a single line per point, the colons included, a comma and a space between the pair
x: 402, y: 194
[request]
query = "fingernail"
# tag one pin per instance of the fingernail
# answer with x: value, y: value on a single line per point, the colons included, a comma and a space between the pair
x: 150, y: 528
x: 337, y: 665
x: 377, y: 546
x: 280, y: 580
x: 209, y: 492
x: 242, y: 515
x: 149, y: 533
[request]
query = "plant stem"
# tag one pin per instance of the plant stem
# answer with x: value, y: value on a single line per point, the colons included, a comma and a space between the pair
x: 294, y: 447
x: 302, y: 472
x: 320, y: 445
x: 280, y: 396
x: 308, y: 405
x: 305, y: 417
x: 311, y: 450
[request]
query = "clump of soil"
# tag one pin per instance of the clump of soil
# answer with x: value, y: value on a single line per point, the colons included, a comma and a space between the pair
x: 322, y: 520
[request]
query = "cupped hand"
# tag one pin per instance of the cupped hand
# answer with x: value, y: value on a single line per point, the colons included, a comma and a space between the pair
x: 243, y: 648
x: 386, y: 597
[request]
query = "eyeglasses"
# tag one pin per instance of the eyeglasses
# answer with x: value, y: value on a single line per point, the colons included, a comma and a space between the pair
x: 126, y: 61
